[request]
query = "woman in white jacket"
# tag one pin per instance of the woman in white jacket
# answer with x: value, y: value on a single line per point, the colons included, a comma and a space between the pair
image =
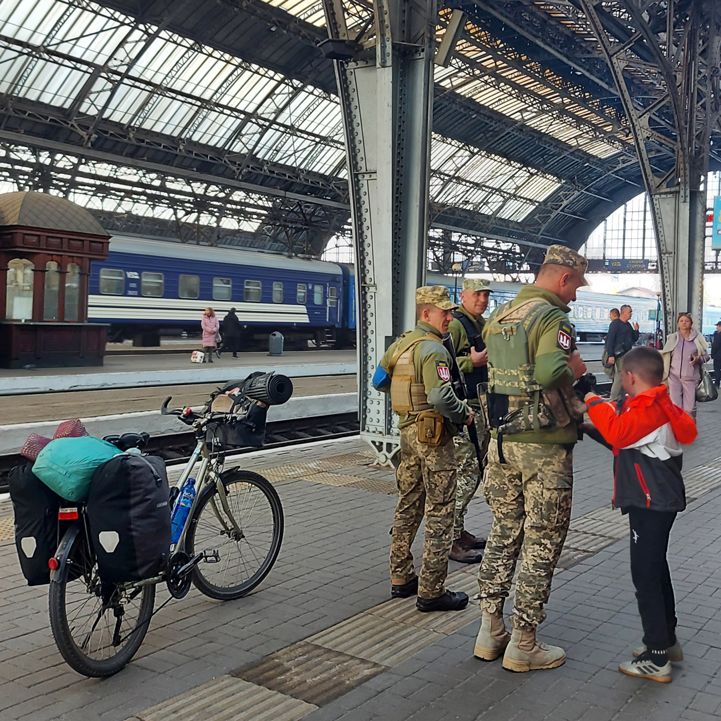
x: 683, y: 355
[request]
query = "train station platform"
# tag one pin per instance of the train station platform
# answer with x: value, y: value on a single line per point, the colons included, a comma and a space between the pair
x: 321, y: 641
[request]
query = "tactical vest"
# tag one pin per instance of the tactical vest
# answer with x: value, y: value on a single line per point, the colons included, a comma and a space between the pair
x: 407, y: 394
x: 510, y: 368
x: 479, y: 374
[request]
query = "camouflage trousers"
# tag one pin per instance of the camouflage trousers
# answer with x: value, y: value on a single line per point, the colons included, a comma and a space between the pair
x: 530, y: 498
x: 468, y: 477
x: 426, y: 479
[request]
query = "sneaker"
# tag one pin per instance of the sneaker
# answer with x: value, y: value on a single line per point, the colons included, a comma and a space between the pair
x: 675, y: 652
x: 405, y: 590
x: 448, y: 601
x: 645, y: 667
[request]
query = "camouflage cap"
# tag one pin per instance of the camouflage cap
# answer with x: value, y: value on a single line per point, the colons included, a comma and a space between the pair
x: 435, y: 295
x: 476, y: 284
x: 560, y: 255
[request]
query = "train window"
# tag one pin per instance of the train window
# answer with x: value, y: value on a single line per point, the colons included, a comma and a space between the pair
x: 318, y: 294
x: 222, y: 288
x: 332, y: 296
x: 52, y: 291
x: 72, y: 291
x: 300, y: 293
x: 277, y: 291
x: 188, y: 286
x: 152, y: 284
x: 112, y: 281
x: 252, y: 290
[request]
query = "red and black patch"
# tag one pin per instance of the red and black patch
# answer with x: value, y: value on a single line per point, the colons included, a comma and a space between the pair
x: 443, y: 370
x: 564, y: 339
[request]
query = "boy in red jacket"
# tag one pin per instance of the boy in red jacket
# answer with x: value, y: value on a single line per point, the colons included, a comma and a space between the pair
x: 645, y: 434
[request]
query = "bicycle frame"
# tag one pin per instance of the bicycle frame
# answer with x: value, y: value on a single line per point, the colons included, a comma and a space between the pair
x: 201, y: 451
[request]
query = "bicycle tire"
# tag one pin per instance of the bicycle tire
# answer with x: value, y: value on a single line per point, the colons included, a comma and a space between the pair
x: 84, y: 571
x: 237, y: 482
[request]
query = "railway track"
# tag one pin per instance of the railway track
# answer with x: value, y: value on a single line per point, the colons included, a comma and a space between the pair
x: 175, y: 448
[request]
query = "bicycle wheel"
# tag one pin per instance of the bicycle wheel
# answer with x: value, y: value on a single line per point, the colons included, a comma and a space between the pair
x: 98, y: 627
x: 243, y: 556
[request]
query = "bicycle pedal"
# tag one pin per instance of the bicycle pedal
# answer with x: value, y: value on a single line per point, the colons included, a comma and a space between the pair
x: 211, y: 556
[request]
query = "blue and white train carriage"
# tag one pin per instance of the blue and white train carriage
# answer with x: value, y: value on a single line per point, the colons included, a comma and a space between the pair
x: 147, y: 286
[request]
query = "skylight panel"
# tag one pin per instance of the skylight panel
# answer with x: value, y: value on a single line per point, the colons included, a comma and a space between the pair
x: 311, y: 11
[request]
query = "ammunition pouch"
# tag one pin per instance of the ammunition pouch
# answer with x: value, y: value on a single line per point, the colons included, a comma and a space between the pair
x: 564, y: 406
x: 431, y: 428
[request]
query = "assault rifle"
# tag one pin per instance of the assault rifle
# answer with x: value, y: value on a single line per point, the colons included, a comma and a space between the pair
x: 459, y: 388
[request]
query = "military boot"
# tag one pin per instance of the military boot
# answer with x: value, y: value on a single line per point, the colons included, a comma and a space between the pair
x: 464, y: 555
x: 468, y: 540
x: 524, y: 653
x: 492, y: 637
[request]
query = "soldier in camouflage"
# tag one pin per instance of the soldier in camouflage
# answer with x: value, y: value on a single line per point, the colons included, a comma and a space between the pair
x: 466, y: 332
x: 529, y: 474
x: 430, y: 413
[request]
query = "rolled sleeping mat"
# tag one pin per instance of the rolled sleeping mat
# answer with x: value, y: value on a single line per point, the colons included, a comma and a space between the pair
x: 271, y: 388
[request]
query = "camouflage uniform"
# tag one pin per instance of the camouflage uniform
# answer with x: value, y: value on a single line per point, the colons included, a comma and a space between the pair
x: 528, y: 481
x: 426, y: 476
x: 469, y: 473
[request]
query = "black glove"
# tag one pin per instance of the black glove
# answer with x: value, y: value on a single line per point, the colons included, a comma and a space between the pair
x: 585, y: 384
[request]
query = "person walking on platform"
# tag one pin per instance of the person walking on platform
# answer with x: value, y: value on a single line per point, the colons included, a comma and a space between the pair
x: 528, y: 481
x: 716, y: 354
x: 416, y: 369
x: 620, y: 339
x: 209, y: 325
x: 231, y: 330
x: 683, y: 355
x: 466, y: 332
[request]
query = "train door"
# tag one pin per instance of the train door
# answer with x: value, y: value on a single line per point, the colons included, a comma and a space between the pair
x: 331, y: 303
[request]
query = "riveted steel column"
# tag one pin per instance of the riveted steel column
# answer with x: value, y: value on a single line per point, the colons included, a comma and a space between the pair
x: 386, y: 88
x: 670, y: 126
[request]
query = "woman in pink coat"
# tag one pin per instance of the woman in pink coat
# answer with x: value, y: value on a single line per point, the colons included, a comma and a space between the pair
x: 210, y: 326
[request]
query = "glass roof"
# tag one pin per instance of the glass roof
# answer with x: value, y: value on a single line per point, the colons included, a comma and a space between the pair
x: 163, y: 83
x: 100, y: 64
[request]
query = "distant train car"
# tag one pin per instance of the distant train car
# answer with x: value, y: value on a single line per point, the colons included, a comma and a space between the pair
x: 146, y: 287
x: 589, y: 313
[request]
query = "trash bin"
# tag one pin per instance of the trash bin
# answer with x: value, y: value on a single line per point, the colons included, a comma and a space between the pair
x: 275, y: 343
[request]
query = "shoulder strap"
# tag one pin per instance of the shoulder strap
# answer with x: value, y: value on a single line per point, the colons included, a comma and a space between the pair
x: 467, y: 324
x: 402, y: 349
x: 508, y: 309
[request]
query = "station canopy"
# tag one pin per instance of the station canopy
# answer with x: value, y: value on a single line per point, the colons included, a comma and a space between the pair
x: 219, y: 123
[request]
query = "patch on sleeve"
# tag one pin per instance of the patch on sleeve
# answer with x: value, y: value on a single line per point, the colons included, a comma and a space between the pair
x: 444, y: 372
x: 565, y: 336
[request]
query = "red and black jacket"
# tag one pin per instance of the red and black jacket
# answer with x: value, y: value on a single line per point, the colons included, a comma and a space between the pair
x: 641, y: 481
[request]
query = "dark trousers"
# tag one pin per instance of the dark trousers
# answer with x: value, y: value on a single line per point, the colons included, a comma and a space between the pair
x: 651, y: 577
x: 717, y: 370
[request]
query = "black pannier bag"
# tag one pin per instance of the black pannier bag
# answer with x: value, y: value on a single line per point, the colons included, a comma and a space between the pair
x: 129, y: 517
x: 36, y: 523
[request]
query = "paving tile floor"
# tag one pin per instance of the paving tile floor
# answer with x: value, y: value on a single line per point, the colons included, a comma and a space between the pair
x: 333, y: 568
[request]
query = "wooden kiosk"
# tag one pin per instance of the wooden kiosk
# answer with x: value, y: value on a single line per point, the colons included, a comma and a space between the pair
x: 46, y: 245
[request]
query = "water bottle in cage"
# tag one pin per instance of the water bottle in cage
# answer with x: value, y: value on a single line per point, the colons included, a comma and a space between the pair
x: 182, y: 509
